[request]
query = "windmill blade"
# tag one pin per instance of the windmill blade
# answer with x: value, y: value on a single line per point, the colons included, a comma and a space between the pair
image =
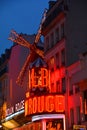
x: 15, y: 37
x: 38, y: 51
x: 20, y: 78
x: 40, y: 27
x: 21, y: 41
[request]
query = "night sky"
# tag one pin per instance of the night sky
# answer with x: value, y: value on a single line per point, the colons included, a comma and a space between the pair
x: 23, y: 16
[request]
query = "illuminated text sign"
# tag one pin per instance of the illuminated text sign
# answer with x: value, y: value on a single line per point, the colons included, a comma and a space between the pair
x: 18, y: 106
x: 44, y: 104
x: 39, y: 77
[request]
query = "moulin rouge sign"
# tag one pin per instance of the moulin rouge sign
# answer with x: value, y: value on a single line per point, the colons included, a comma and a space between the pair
x: 49, y: 103
x: 44, y: 104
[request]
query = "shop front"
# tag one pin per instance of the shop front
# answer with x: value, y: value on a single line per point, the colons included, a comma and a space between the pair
x: 45, y: 122
x: 46, y: 112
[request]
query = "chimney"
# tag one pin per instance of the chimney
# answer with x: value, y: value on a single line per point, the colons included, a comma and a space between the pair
x: 51, y: 3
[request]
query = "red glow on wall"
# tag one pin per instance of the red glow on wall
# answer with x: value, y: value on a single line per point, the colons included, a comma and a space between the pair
x: 81, y: 106
x: 44, y: 104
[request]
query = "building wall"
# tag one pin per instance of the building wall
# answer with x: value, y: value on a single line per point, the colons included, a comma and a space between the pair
x: 80, y: 79
x: 10, y: 66
x: 55, y: 51
x: 76, y: 29
x: 70, y: 81
x: 13, y: 60
x: 75, y: 42
x: 4, y: 81
x: 17, y: 58
x: 73, y: 92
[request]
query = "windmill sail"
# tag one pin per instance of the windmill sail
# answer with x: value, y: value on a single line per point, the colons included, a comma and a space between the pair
x: 34, y: 50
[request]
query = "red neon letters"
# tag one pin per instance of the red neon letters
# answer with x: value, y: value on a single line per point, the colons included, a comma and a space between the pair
x: 39, y: 77
x: 44, y: 104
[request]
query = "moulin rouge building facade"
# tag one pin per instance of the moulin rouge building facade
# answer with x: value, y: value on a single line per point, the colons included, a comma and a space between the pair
x: 53, y: 98
x: 41, y: 104
x: 45, y: 101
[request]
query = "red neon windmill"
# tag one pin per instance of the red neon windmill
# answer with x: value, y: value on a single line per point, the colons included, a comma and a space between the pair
x: 34, y: 50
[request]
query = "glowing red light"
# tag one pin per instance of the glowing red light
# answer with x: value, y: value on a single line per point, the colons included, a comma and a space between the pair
x: 39, y: 77
x: 44, y: 104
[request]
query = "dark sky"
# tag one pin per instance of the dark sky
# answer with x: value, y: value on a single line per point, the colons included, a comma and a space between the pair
x: 22, y: 16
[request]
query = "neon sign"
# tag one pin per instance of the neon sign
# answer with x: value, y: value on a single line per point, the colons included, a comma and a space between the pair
x: 17, y: 107
x: 39, y: 77
x: 44, y: 104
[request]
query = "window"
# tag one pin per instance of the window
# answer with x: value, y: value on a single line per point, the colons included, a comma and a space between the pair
x: 63, y: 57
x: 0, y: 86
x: 85, y: 94
x: 57, y: 60
x: 71, y: 92
x: 52, y: 39
x: 62, y: 30
x: 76, y: 89
x: 47, y: 44
x: 63, y: 85
x: 1, y: 89
x: 71, y: 117
x: 58, y: 87
x: 4, y: 88
x: 85, y: 107
x: 52, y: 69
x: 71, y: 86
x: 85, y: 103
x: 56, y: 35
x: 81, y: 104
x: 78, y: 114
x: 52, y: 61
x: 52, y: 88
